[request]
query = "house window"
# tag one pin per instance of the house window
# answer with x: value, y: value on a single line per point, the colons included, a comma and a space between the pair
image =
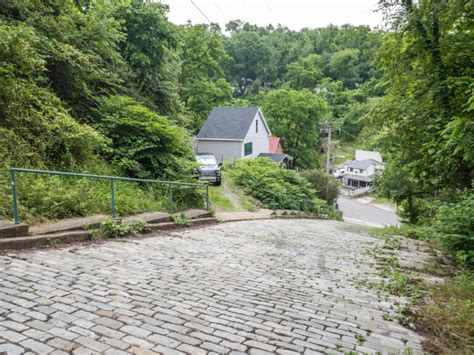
x: 256, y: 126
x: 248, y: 148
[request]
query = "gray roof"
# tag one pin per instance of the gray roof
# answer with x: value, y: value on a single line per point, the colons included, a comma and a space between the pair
x: 276, y: 157
x: 361, y: 164
x: 365, y: 178
x: 228, y: 123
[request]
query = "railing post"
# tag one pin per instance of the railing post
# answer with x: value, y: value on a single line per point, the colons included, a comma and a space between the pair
x: 112, y: 187
x: 207, y: 198
x: 170, y: 190
x: 14, y: 198
x: 273, y: 202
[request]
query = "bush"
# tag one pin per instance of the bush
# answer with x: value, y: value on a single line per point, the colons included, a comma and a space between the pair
x: 453, y: 228
x: 325, y: 185
x: 143, y: 144
x: 275, y: 187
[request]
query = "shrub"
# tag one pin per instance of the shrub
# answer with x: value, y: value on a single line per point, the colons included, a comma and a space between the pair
x: 325, y: 185
x: 181, y: 220
x: 142, y: 143
x: 453, y: 228
x: 275, y: 187
x: 112, y: 228
x: 139, y: 226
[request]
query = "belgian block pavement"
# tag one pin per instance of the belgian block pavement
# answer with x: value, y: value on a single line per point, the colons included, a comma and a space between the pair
x: 258, y: 287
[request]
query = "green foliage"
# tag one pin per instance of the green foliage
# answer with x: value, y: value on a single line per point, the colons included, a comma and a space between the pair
x: 325, y: 185
x: 35, y: 129
x: 453, y: 228
x: 218, y: 199
x: 422, y: 123
x: 202, y: 79
x: 449, y: 317
x: 276, y: 187
x: 305, y: 72
x: 181, y: 220
x: 111, y: 228
x: 294, y: 116
x: 142, y: 143
x: 139, y: 226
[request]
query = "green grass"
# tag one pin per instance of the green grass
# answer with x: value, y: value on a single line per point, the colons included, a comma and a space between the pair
x: 46, y: 198
x: 449, y: 317
x: 219, y: 200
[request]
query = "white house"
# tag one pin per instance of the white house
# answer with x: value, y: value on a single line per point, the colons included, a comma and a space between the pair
x: 362, y: 171
x: 232, y: 133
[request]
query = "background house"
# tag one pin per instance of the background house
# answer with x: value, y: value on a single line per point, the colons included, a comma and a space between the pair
x: 232, y: 133
x: 275, y: 145
x: 361, y: 171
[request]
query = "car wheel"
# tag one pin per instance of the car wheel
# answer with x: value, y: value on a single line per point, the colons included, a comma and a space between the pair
x: 218, y: 182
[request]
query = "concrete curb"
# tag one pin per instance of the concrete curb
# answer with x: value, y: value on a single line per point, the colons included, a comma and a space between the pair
x: 74, y: 236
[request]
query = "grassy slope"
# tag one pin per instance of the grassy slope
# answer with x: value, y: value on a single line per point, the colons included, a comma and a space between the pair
x: 230, y: 198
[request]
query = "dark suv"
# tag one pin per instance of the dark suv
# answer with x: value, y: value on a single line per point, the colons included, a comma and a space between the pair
x: 209, y: 169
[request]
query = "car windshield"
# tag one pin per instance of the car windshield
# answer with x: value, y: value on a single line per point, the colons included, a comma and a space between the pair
x: 206, y: 160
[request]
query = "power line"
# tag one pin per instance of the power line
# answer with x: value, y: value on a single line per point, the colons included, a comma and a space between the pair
x: 202, y: 13
x: 269, y: 8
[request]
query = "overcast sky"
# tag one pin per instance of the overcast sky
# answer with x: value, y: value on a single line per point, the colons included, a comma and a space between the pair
x: 294, y: 14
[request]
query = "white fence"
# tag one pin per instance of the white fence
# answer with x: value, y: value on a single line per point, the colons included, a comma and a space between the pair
x: 356, y: 192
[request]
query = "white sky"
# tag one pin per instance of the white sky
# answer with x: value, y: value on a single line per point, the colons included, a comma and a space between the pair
x: 295, y: 14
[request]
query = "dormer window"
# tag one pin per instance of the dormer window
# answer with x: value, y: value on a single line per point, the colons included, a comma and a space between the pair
x: 256, y: 126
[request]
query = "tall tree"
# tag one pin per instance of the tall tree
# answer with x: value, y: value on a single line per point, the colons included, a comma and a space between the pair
x: 294, y: 115
x: 202, y: 79
x: 426, y: 118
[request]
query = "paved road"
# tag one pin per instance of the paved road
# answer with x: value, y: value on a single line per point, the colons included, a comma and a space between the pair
x: 259, y: 287
x: 362, y: 212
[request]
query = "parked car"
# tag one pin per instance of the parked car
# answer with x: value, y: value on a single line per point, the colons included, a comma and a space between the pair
x: 209, y: 169
x: 338, y: 173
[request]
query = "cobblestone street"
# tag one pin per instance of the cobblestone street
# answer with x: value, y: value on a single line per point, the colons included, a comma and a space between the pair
x: 268, y: 286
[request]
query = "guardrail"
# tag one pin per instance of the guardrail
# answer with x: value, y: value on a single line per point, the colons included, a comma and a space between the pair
x: 356, y: 192
x: 112, y: 179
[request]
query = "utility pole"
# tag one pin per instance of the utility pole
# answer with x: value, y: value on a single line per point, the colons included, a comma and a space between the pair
x: 328, y: 158
x: 327, y: 127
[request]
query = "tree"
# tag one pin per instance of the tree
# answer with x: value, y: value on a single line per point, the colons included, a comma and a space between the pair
x: 202, y: 80
x: 423, y: 119
x: 305, y: 72
x: 343, y: 66
x: 149, y: 49
x: 294, y: 116
x: 325, y: 185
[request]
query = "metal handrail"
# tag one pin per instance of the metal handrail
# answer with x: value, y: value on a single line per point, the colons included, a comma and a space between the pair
x: 106, y: 177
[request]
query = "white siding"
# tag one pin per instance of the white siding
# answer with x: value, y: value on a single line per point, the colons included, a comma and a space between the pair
x: 222, y: 150
x: 260, y: 140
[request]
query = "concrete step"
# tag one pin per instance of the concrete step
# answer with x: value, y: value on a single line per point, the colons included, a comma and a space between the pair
x: 149, y: 217
x: 66, y: 225
x: 10, y: 230
x: 71, y: 236
x: 77, y: 224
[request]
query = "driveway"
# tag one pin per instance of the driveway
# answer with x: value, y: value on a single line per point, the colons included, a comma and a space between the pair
x: 363, y: 213
x: 258, y: 287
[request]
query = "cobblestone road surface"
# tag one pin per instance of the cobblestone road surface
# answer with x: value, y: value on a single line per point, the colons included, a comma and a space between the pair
x: 270, y: 286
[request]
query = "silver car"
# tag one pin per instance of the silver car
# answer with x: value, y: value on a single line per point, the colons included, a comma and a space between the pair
x: 209, y: 169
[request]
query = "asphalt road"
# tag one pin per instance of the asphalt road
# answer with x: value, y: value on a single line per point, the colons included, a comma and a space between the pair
x: 354, y: 211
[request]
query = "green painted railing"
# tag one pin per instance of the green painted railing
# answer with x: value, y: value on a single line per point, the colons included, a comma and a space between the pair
x: 112, y: 179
